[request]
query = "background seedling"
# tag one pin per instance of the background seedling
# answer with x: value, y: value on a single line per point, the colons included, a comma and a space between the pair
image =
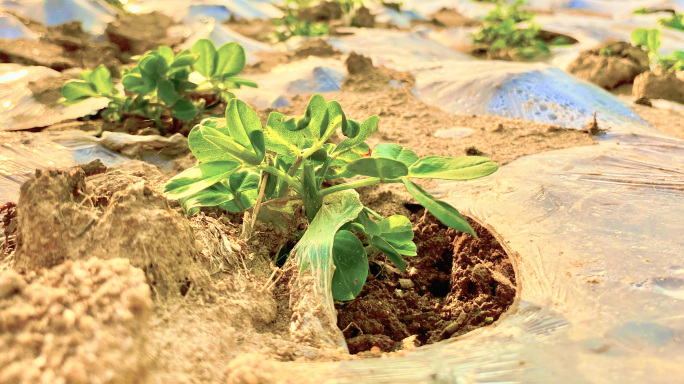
x: 649, y: 39
x: 159, y: 86
x: 243, y: 165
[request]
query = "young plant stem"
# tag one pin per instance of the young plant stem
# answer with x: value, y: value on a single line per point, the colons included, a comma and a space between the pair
x: 257, y: 206
x: 277, y: 172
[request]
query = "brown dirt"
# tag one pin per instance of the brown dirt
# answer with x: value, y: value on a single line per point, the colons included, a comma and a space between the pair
x: 61, y: 216
x: 450, y: 18
x: 325, y: 11
x: 363, y: 18
x: 658, y: 84
x: 667, y: 121
x: 621, y: 66
x: 139, y: 33
x: 256, y: 29
x: 60, y: 47
x: 425, y: 129
x: 80, y: 322
x: 456, y: 283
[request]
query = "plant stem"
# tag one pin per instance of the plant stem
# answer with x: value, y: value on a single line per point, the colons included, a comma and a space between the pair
x: 280, y: 174
x: 255, y: 212
x: 280, y: 200
x: 357, y: 184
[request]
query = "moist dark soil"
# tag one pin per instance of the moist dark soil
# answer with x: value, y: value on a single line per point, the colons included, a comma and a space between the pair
x: 455, y: 284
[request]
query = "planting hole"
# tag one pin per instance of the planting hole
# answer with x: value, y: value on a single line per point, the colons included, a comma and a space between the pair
x: 455, y: 284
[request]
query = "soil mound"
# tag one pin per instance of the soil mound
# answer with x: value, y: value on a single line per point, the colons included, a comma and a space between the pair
x: 611, y: 64
x: 62, y: 216
x: 139, y: 33
x: 450, y: 18
x: 658, y: 84
x: 315, y: 47
x: 324, y: 11
x: 81, y: 322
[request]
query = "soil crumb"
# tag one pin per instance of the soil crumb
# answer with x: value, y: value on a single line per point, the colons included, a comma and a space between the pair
x: 81, y: 322
x: 611, y: 64
x: 658, y: 84
x: 456, y: 283
x: 139, y: 33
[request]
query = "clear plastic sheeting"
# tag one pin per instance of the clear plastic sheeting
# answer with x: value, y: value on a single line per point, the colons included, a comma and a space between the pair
x: 21, y: 153
x: 397, y: 50
x: 18, y: 108
x: 179, y: 9
x: 535, y: 92
x: 219, y: 34
x: 94, y: 14
x: 313, y: 75
x: 12, y: 28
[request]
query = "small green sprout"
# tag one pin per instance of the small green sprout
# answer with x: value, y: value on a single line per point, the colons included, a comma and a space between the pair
x: 503, y: 36
x: 244, y: 165
x: 159, y: 86
x: 649, y: 39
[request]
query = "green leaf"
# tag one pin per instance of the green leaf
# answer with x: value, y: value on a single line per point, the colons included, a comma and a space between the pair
x: 198, y: 178
x: 244, y: 181
x: 396, y: 229
x: 281, y: 140
x: 335, y: 119
x: 365, y: 131
x: 444, y: 212
x: 229, y: 145
x: 183, y: 59
x: 453, y: 168
x: 381, y: 167
x: 244, y: 127
x: 389, y: 251
x: 206, y: 51
x: 184, y: 110
x: 213, y: 196
x: 78, y: 90
x: 166, y: 53
x: 204, y: 150
x: 396, y: 152
x: 101, y: 78
x: 241, y: 81
x: 231, y: 60
x: 134, y: 82
x: 314, y: 251
x: 167, y: 93
x: 245, y: 201
x: 351, y: 266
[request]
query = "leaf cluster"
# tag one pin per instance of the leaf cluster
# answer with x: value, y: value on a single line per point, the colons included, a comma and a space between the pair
x: 243, y: 163
x: 160, y: 84
x: 508, y: 32
x: 650, y: 40
x: 673, y: 21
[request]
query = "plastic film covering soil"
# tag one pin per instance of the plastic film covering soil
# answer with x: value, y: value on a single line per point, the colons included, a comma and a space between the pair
x: 595, y: 232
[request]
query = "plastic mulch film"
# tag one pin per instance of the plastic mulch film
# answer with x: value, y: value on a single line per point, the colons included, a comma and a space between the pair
x: 179, y: 9
x: 12, y: 28
x: 94, y: 14
x: 20, y: 110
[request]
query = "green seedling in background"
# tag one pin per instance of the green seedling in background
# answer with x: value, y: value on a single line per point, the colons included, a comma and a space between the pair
x: 503, y: 36
x: 159, y: 86
x: 673, y: 21
x: 291, y: 25
x: 244, y: 165
x: 649, y: 39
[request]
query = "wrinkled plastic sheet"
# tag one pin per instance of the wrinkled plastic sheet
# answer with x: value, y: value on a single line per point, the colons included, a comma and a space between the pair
x: 94, y: 14
x: 12, y: 28
x: 219, y: 34
x: 19, y: 109
x: 313, y: 75
x: 21, y: 153
x: 219, y: 10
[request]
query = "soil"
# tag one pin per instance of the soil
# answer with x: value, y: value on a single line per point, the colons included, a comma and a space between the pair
x: 658, y: 84
x: 60, y: 47
x: 666, y: 120
x: 456, y: 283
x: 620, y: 64
x: 139, y: 33
x: 451, y: 18
x: 428, y: 130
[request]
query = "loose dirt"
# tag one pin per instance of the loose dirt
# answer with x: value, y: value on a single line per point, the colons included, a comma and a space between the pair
x: 658, y: 84
x: 611, y: 64
x: 456, y: 283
